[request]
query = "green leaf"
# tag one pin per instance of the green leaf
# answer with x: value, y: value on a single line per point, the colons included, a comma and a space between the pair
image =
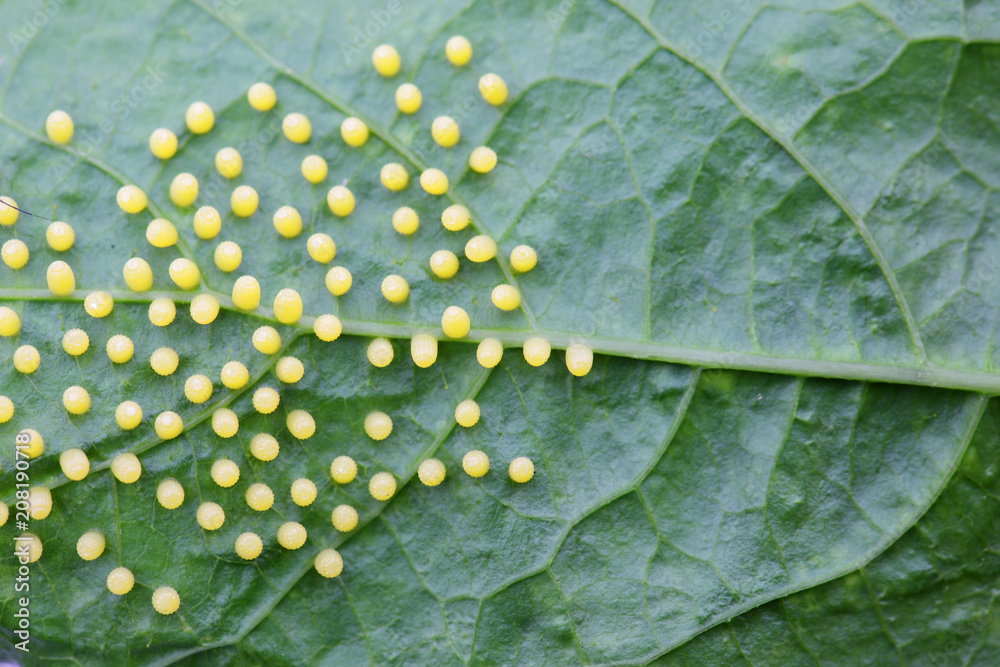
x: 770, y: 222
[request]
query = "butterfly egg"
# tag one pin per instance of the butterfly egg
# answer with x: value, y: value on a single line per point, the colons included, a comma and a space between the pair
x: 288, y: 306
x: 523, y: 258
x: 126, y: 468
x: 266, y: 340
x: 321, y: 248
x: 185, y: 273
x: 76, y: 400
x: 431, y: 472
x: 163, y: 143
x: 579, y: 359
x: 300, y: 424
x: 521, y: 469
x: 204, y: 309
x: 170, y: 494
x: 380, y: 352
x: 27, y: 359
x: 314, y: 169
x: 481, y: 248
x: 75, y: 342
x: 210, y: 516
x: 444, y: 264
x: 329, y: 563
x: 493, y: 89
x: 132, y: 199
x: 260, y: 497
x: 343, y: 470
x: 338, y: 280
x: 199, y: 118
x: 74, y: 463
x: 455, y: 322
x: 168, y: 425
x: 395, y: 289
x: 120, y: 580
x: 394, y: 176
x: 354, y: 132
x: 458, y: 50
x: 288, y: 222
x: 382, y: 486
x: 234, y: 375
x: 59, y: 127
x: 506, y: 297
x: 138, y: 276
x: 328, y: 327
x: 60, y: 236
x: 35, y: 445
x: 91, y: 545
x: 33, y: 545
x: 340, y: 200
x: 162, y: 311
x: 378, y: 425
x: 489, y: 353
x: 467, y: 413
x: 475, y: 463
x: 405, y: 220
x: 244, y: 201
x: 482, y: 160
x: 266, y: 400
x: 297, y: 128
x: 10, y: 322
x: 225, y: 423
x: 434, y: 181
x: 385, y: 58
x: 39, y: 502
x: 228, y: 256
x: 128, y: 414
x: 6, y: 410
x: 98, y: 304
x: 246, y: 293
x: 248, y: 546
x: 262, y: 96
x: 445, y: 131
x: 424, y: 350
x: 165, y: 599
x: 60, y: 278
x: 229, y: 162
x: 164, y: 361
x: 537, y: 351
x: 161, y: 233
x: 225, y: 473
x: 344, y: 518
x: 303, y: 492
x: 8, y: 211
x: 291, y: 535
x: 198, y: 389
x: 15, y: 253
x: 408, y: 98
x: 264, y: 447
x: 4, y: 513
x: 207, y: 222
x: 289, y: 370
x: 184, y: 190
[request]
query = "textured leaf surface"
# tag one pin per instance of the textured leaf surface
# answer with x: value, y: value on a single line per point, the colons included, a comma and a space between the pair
x: 793, y: 201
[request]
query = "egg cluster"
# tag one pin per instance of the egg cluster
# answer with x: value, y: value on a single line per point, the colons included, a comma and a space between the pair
x: 287, y: 307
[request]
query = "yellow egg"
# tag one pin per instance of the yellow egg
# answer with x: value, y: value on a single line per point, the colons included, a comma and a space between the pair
x: 161, y: 233
x: 395, y: 289
x: 579, y: 359
x: 207, y: 222
x: 246, y: 293
x: 394, y: 176
x: 229, y: 162
x: 424, y: 350
x: 74, y: 463
x: 163, y: 143
x: 382, y: 486
x: 99, y: 304
x: 168, y: 425
x: 259, y: 497
x: 39, y: 502
x: 521, y: 469
x: 59, y: 127
x: 76, y: 400
x: 434, y: 181
x: 288, y: 222
x: 225, y: 423
x: 210, y: 516
x: 476, y: 463
x: 170, y: 494
x: 303, y: 492
x: 198, y: 389
x: 321, y: 248
x: 199, y: 118
x: 455, y: 218
x: 289, y: 370
x: 162, y: 311
x: 300, y: 424
x: 458, y: 50
x: 35, y: 445
x: 344, y: 518
x: 489, y: 353
x: 291, y: 535
x: 445, y: 131
x: 506, y: 297
x: 262, y: 96
x: 343, y: 470
x: 228, y: 256
x: 431, y: 472
x: 340, y: 200
x: 264, y: 447
x: 248, y: 546
x: 244, y: 201
x: 120, y: 581
x: 165, y: 599
x: 75, y: 342
x: 537, y: 351
x: 60, y: 278
x: 482, y: 160
x: 338, y: 280
x: 408, y: 98
x: 378, y: 425
x: 91, y: 545
x: 314, y: 169
x: 444, y: 264
x: 288, y: 306
x: 354, y: 132
x: 15, y: 254
x: 455, y: 322
x: 481, y: 248
x: 523, y: 258
x: 6, y: 412
x: 380, y: 352
x: 164, y: 361
x: 138, y: 276
x: 328, y: 327
x: 493, y: 89
x: 235, y: 375
x: 60, y: 236
x: 8, y: 211
x: 185, y: 273
x: 184, y: 190
x: 266, y: 340
x: 467, y: 413
x: 10, y: 322
x: 266, y: 400
x: 26, y: 359
x: 297, y: 128
x: 225, y: 473
x: 126, y: 468
x: 204, y: 309
x: 405, y: 220
x: 329, y: 563
x: 386, y: 60
x: 128, y: 414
